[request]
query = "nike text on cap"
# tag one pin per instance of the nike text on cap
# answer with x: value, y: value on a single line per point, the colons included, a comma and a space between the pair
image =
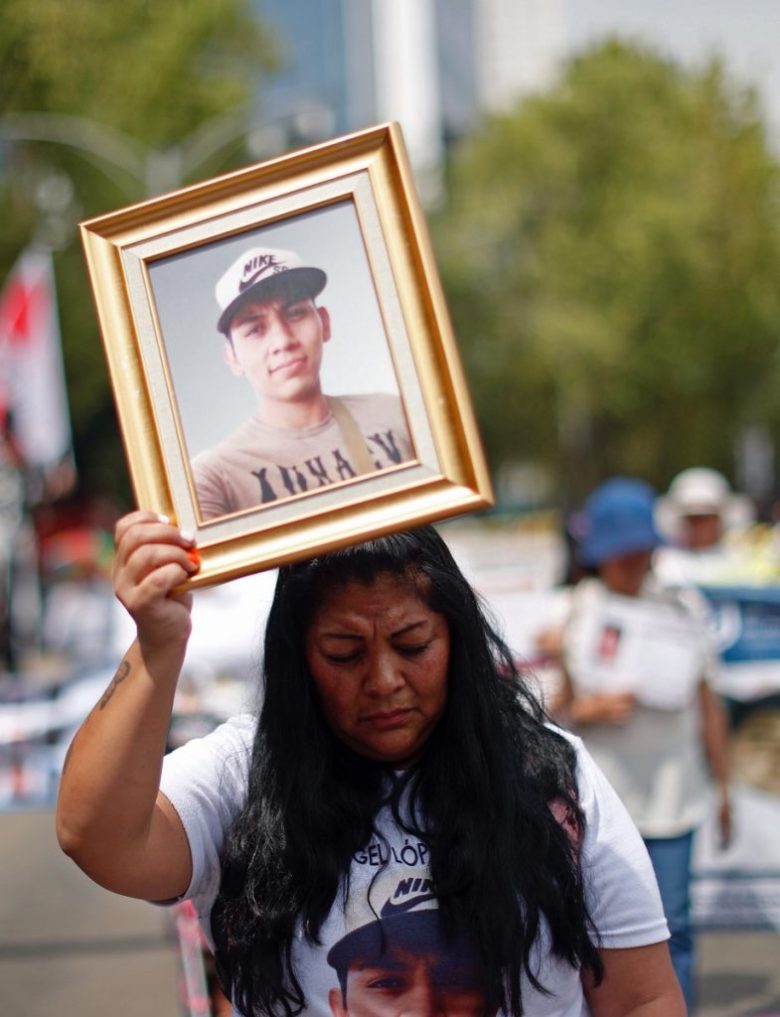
x: 408, y: 915
x: 263, y: 273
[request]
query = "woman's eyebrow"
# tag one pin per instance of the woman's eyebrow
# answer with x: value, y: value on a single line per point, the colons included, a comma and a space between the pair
x: 402, y: 631
x: 405, y: 629
x: 341, y: 635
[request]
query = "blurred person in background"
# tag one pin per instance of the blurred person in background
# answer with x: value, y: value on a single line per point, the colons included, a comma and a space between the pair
x: 714, y: 543
x: 697, y: 517
x: 20, y: 594
x: 76, y: 554
x: 655, y: 743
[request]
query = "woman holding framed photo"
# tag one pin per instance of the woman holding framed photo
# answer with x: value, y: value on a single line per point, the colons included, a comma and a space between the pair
x: 398, y: 831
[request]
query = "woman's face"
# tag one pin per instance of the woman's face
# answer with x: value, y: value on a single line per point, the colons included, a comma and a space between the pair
x: 626, y: 574
x: 379, y: 658
x: 702, y: 531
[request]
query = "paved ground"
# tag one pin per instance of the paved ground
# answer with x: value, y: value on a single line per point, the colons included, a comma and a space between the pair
x: 739, y: 975
x: 70, y: 949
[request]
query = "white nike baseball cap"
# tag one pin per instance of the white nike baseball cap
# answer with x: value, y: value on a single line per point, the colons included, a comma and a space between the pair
x: 261, y: 273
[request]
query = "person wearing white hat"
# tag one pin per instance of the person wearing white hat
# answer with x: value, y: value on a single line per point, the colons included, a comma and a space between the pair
x: 299, y: 439
x: 642, y: 700
x: 700, y: 506
x: 697, y: 512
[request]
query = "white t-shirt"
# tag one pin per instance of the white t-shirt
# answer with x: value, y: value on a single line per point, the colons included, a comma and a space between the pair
x: 206, y: 779
x: 259, y: 465
x: 655, y: 760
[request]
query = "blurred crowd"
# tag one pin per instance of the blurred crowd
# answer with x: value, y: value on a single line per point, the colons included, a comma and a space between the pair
x: 59, y: 621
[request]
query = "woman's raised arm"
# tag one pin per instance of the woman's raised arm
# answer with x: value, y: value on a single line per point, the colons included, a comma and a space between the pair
x: 111, y: 818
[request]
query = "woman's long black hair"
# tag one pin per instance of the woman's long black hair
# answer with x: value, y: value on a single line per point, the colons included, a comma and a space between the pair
x: 499, y: 859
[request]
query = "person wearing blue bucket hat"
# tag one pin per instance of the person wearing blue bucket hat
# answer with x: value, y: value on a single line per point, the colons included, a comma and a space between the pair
x: 618, y: 520
x: 636, y: 659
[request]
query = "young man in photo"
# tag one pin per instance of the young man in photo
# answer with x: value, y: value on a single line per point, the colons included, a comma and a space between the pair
x: 398, y: 961
x: 299, y: 439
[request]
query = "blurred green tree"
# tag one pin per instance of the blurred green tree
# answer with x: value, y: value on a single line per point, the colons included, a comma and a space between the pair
x: 96, y: 99
x: 611, y: 254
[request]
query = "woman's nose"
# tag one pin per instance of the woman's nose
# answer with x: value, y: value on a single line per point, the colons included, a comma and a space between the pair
x: 383, y: 674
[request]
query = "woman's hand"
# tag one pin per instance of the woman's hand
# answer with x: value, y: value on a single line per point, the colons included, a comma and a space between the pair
x: 603, y: 708
x: 152, y: 559
x: 571, y: 707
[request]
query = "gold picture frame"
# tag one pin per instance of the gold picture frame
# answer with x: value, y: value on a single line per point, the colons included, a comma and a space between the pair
x: 347, y: 206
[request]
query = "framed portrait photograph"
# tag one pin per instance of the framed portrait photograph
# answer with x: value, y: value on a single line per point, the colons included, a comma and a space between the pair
x: 284, y: 369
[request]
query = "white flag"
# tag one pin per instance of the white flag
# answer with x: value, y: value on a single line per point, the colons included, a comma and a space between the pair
x: 32, y: 381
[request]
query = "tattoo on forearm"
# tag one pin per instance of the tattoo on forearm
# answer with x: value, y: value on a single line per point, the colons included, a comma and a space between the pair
x: 121, y: 673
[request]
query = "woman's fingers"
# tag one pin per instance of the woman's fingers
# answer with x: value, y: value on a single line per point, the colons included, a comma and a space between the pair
x: 139, y: 528
x: 152, y: 557
x: 154, y: 582
x: 146, y: 558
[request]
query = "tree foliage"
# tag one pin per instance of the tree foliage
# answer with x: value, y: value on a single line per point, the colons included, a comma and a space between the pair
x: 611, y: 255
x: 154, y: 71
x: 135, y: 76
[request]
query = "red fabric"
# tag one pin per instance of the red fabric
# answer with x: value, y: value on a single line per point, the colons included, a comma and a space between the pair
x: 17, y: 308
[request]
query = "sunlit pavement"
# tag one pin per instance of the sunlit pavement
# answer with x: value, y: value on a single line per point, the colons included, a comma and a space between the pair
x: 739, y: 974
x: 68, y: 947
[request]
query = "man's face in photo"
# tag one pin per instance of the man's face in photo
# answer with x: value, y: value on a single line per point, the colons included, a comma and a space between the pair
x: 400, y: 983
x: 277, y: 345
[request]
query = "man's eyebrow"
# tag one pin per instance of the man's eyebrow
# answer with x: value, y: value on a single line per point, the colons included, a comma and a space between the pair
x: 260, y: 309
x: 245, y: 317
x: 286, y: 305
x: 385, y: 963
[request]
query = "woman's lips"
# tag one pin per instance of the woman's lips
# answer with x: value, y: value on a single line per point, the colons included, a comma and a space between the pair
x: 387, y: 719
